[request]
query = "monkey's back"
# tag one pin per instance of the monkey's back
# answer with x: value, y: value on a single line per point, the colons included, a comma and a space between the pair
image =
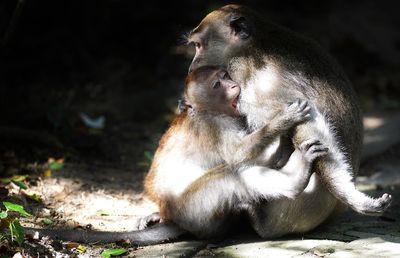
x: 186, y: 151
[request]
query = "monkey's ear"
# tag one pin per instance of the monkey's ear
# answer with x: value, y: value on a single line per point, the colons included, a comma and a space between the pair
x: 183, y: 106
x: 241, y: 27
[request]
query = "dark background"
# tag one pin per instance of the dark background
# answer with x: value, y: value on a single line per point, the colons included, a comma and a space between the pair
x: 126, y: 60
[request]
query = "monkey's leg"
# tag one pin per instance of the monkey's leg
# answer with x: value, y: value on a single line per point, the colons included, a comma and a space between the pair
x: 335, y: 170
x: 290, y: 181
x: 275, y: 218
x: 205, y: 208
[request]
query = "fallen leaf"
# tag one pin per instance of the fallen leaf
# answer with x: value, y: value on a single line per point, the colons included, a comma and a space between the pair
x: 56, y: 166
x: 81, y: 249
x: 34, y: 196
x: 17, y: 232
x: 20, y: 184
x: 47, y: 221
x: 3, y: 215
x: 47, y: 173
x: 17, y: 208
x: 113, y: 252
x: 16, y: 178
x: 71, y: 245
x: 103, y: 213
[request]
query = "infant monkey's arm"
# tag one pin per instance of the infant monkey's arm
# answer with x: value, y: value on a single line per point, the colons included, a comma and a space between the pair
x: 253, y: 144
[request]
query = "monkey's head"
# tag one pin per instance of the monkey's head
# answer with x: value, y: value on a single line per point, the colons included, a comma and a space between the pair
x: 211, y: 89
x: 221, y: 35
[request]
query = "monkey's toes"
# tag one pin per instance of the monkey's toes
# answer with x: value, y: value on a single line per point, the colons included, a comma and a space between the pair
x: 385, y: 201
x: 313, y: 149
x: 378, y: 206
x: 306, y: 145
x: 146, y: 221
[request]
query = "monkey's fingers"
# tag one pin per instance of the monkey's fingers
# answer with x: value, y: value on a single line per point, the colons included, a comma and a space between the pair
x: 303, y: 104
x: 147, y: 221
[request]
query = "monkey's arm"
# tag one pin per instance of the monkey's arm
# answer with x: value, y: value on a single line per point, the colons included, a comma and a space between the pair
x: 207, y: 203
x: 253, y: 144
x: 290, y: 180
x: 158, y: 233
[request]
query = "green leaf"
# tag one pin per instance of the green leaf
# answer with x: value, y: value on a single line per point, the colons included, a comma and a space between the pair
x: 103, y: 213
x: 35, y: 197
x: 113, y: 252
x: 47, y: 221
x: 17, y: 208
x: 81, y: 249
x: 56, y: 165
x: 13, y: 178
x: 3, y: 215
x: 20, y: 184
x: 149, y: 155
x: 17, y: 232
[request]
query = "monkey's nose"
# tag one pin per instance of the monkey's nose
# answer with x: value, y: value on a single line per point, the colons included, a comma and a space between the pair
x: 194, y: 65
x: 234, y: 85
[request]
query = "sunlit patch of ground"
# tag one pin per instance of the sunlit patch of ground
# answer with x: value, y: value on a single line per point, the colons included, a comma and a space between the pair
x: 105, y: 199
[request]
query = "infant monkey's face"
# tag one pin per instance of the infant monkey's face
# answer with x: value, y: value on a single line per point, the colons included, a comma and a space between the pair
x: 212, y: 89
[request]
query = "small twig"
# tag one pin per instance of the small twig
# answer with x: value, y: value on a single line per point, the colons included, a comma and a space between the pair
x: 13, y: 23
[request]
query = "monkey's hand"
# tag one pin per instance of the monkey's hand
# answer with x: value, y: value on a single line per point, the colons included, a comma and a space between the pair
x: 296, y: 113
x: 312, y: 149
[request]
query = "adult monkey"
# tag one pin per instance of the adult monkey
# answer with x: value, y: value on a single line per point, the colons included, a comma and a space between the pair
x: 271, y: 62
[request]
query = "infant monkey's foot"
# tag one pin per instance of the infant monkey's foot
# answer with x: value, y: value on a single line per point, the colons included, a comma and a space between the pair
x: 313, y: 149
x: 147, y: 221
x: 377, y: 206
x: 299, y: 111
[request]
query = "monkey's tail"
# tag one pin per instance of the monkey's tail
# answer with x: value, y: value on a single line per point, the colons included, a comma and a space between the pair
x: 159, y: 233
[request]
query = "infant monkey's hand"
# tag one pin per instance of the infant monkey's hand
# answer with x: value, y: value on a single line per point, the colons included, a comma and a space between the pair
x: 298, y: 112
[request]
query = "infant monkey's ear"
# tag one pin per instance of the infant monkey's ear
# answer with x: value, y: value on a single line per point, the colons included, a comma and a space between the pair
x: 183, y: 106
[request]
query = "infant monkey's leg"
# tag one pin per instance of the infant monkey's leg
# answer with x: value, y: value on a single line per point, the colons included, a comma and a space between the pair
x: 336, y: 172
x: 290, y: 180
x: 207, y: 204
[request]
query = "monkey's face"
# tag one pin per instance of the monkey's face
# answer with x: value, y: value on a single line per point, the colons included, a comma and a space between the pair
x: 219, y: 36
x: 210, y: 89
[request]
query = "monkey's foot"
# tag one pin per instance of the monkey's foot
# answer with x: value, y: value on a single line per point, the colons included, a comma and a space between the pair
x: 377, y: 207
x: 312, y: 149
x: 147, y: 221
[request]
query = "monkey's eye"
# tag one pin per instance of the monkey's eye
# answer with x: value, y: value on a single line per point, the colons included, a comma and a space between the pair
x: 197, y: 45
x: 216, y: 85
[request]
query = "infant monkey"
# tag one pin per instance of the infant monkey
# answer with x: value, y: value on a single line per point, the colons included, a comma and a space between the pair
x: 194, y: 177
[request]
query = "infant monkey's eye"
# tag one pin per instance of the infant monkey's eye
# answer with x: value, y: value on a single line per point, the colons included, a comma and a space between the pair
x: 216, y: 85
